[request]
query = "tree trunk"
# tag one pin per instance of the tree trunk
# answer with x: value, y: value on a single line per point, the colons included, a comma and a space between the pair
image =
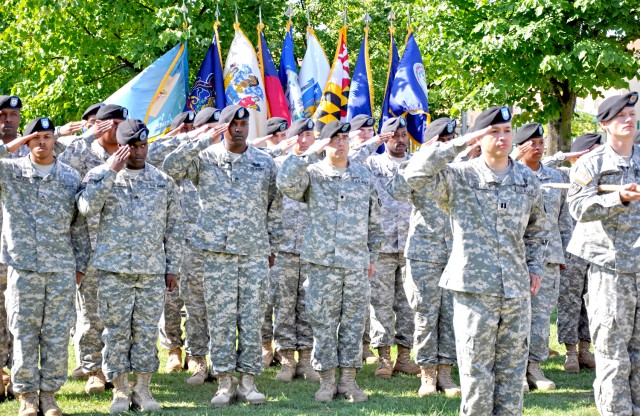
x: 559, y: 131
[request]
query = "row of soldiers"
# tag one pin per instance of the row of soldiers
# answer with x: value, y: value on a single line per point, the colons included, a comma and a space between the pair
x: 310, y: 238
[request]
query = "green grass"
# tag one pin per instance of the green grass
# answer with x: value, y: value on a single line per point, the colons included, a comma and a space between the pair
x: 397, y: 396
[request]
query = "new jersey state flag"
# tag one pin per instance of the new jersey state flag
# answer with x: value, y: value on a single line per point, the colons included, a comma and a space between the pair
x: 158, y: 93
x: 277, y: 103
x: 409, y: 96
x: 288, y: 74
x: 361, y: 88
x: 243, y: 82
x: 208, y: 88
x: 333, y: 104
x: 314, y: 73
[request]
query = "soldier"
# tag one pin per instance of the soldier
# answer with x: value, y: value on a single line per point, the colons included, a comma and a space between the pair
x: 88, y: 151
x: 183, y: 122
x: 291, y: 328
x: 190, y: 278
x: 427, y: 251
x: 606, y: 235
x: 560, y: 225
x: 235, y: 231
x: 277, y: 144
x: 44, y: 241
x: 88, y: 120
x: 341, y: 244
x: 391, y: 315
x: 137, y: 255
x: 498, y: 224
x: 364, y: 143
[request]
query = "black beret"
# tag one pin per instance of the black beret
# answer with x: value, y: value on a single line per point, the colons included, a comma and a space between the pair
x: 529, y: 131
x: 276, y: 124
x: 91, y: 110
x: 39, y: 124
x: 333, y: 128
x: 10, y: 101
x: 112, y: 111
x: 584, y: 142
x: 393, y: 124
x: 362, y: 120
x: 205, y: 116
x: 491, y: 116
x: 132, y: 130
x: 300, y: 126
x: 233, y: 112
x: 440, y: 127
x: 613, y: 105
x: 185, y: 117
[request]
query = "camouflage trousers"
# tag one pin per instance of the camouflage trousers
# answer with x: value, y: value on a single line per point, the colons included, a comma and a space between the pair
x: 613, y: 303
x: 5, y: 335
x: 234, y: 293
x: 434, y: 339
x: 573, y: 321
x: 192, y: 292
x: 366, y: 336
x: 492, y: 342
x: 336, y: 301
x: 88, y: 336
x: 391, y: 316
x: 130, y: 306
x: 291, y: 329
x: 41, y: 314
x: 266, y: 330
x: 170, y: 324
x: 542, y: 304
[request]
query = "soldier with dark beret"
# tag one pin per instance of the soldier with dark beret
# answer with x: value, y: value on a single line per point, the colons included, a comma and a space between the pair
x: 277, y: 143
x: 183, y: 122
x: 364, y: 143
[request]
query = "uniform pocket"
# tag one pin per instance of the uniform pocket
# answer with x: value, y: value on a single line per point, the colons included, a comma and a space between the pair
x: 604, y: 339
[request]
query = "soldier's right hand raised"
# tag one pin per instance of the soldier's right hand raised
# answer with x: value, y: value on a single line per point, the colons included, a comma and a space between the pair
x: 15, y: 144
x: 318, y: 146
x: 118, y: 160
x: 100, y: 128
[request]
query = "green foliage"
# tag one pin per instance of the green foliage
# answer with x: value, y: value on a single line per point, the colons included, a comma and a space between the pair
x: 584, y: 123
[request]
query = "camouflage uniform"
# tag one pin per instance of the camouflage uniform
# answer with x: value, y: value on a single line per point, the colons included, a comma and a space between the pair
x: 44, y: 241
x: 427, y: 251
x: 388, y: 297
x: 498, y: 234
x: 560, y: 225
x: 342, y: 238
x: 607, y: 236
x: 84, y: 154
x: 235, y: 229
x: 139, y: 241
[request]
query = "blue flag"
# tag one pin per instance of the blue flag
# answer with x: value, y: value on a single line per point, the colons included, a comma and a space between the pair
x: 409, y: 96
x: 288, y: 74
x: 157, y: 94
x: 208, y: 88
x: 361, y: 89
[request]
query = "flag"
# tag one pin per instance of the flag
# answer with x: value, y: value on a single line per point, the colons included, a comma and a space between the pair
x: 243, y: 82
x: 208, y: 88
x: 394, y: 59
x: 333, y: 104
x: 277, y: 103
x: 314, y: 73
x: 409, y: 96
x: 361, y: 88
x: 158, y: 93
x: 288, y: 74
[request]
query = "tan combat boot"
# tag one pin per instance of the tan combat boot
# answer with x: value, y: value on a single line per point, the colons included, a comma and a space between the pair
x: 536, y: 378
x: 79, y: 374
x: 226, y: 390
x: 571, y: 364
x: 141, y: 397
x: 96, y: 382
x: 367, y: 356
x: 304, y: 369
x: 247, y: 390
x: 585, y: 358
x: 553, y: 353
x: 328, y: 388
x: 428, y: 381
x: 121, y: 394
x: 267, y: 354
x: 6, y: 378
x: 48, y: 405
x: 403, y: 362
x: 384, y: 370
x: 174, y: 361
x: 445, y: 383
x: 348, y: 386
x: 28, y: 404
x: 288, y: 369
x: 199, y: 366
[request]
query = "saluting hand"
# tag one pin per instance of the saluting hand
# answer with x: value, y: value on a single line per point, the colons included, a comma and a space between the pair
x: 71, y: 128
x: 215, y: 134
x: 287, y: 144
x: 15, y: 144
x: 260, y: 140
x: 474, y: 137
x: 383, y: 137
x: 319, y: 146
x: 520, y: 150
x: 117, y: 160
x: 100, y: 127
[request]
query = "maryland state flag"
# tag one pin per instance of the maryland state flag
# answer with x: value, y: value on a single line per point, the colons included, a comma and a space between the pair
x: 208, y: 88
x: 277, y: 103
x: 361, y: 94
x: 333, y: 104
